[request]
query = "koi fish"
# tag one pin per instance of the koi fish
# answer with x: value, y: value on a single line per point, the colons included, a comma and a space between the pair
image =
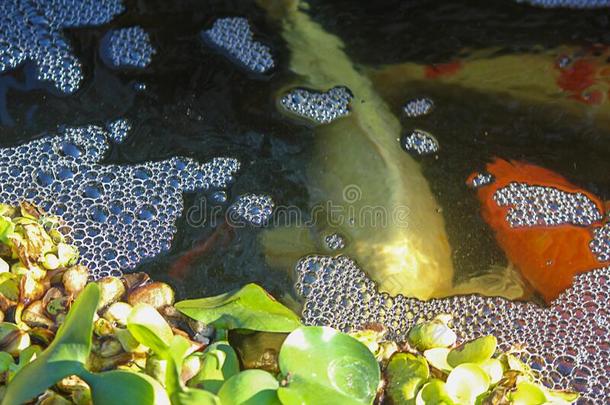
x: 576, y: 79
x: 182, y: 267
x: 360, y: 152
x: 549, y: 229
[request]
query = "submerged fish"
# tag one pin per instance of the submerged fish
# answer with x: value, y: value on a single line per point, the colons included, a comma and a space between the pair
x: 358, y: 169
x: 576, y: 79
x: 547, y: 226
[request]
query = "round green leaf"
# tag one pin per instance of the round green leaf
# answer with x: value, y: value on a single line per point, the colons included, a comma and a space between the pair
x: 494, y: 369
x: 428, y: 335
x: 115, y: 386
x: 405, y: 373
x: 466, y: 382
x: 433, y: 393
x: 475, y: 351
x: 251, y: 307
x: 192, y: 396
x: 437, y: 358
x: 250, y: 387
x: 528, y: 393
x: 322, y: 365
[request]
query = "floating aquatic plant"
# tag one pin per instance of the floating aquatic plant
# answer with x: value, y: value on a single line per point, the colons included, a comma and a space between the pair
x: 66, y: 342
x: 467, y: 373
x: 251, y: 308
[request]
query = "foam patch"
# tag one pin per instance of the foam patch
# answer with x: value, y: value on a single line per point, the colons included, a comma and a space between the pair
x: 116, y: 215
x: 32, y: 31
x: 418, y: 107
x: 545, y: 206
x: 234, y: 37
x: 420, y: 142
x: 251, y: 209
x: 566, y: 344
x: 127, y: 48
x: 318, y: 107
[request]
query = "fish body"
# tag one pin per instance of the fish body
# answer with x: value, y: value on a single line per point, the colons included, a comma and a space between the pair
x: 544, y: 223
x: 575, y: 79
x: 361, y: 153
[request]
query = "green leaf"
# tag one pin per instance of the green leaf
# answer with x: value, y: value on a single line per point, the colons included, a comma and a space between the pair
x: 528, y: 393
x: 251, y: 307
x: 9, y: 286
x: 562, y: 397
x: 434, y: 393
x: 26, y: 356
x: 437, y: 358
x: 148, y: 327
x: 512, y: 362
x: 120, y: 386
x: 194, y: 396
x: 219, y: 363
x: 494, y: 369
x: 65, y: 356
x: 406, y: 373
x: 466, y: 382
x: 322, y: 365
x: 176, y: 354
x: 432, y: 334
x: 7, y: 228
x: 6, y: 360
x: 475, y: 351
x: 250, y: 387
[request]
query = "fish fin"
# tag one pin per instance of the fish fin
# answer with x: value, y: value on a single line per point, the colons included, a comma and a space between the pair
x: 284, y: 246
x: 497, y: 281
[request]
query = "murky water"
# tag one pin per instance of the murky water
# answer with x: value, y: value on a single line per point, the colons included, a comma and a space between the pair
x: 193, y: 101
x: 198, y: 104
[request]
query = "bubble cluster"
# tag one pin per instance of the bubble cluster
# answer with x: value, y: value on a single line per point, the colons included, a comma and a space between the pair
x: 420, y: 142
x: 319, y: 107
x: 234, y: 36
x: 118, y: 129
x: 600, y: 245
x: 480, y: 180
x: 566, y: 344
x: 127, y: 48
x: 545, y: 206
x: 335, y: 241
x: 418, y: 107
x: 252, y: 209
x: 32, y: 31
x: 116, y: 215
x: 219, y: 197
x: 568, y: 3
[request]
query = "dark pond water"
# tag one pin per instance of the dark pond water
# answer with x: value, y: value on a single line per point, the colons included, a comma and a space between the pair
x: 198, y: 104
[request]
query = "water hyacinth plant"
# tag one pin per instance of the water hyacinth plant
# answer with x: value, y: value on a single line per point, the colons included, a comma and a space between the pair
x: 66, y: 341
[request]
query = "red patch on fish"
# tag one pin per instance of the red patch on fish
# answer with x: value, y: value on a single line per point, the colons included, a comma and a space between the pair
x: 577, y: 77
x: 582, y: 79
x: 442, y: 69
x: 182, y: 267
x: 548, y: 257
